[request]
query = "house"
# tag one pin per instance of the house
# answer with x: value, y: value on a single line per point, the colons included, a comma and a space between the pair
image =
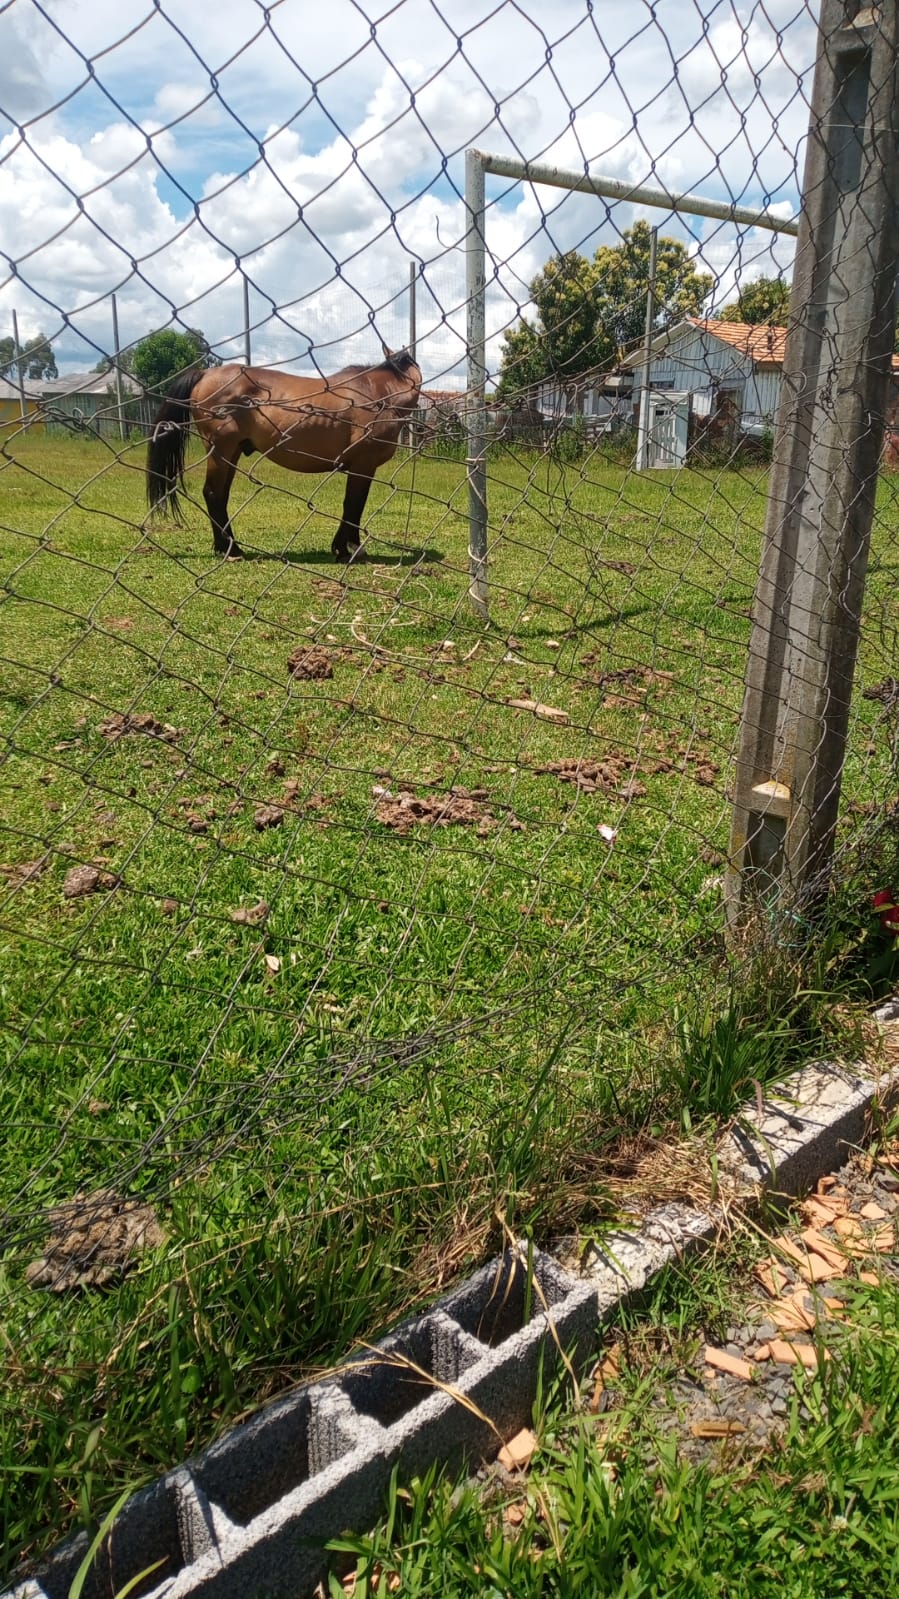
x: 731, y: 371
x: 443, y: 400
x: 11, y: 403
x: 87, y: 402
x: 720, y: 381
x: 602, y: 397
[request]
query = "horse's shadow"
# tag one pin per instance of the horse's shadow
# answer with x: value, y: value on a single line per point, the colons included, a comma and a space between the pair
x: 409, y: 558
x: 316, y: 558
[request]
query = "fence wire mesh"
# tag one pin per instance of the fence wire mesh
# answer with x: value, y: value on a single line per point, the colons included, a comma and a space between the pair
x: 340, y: 929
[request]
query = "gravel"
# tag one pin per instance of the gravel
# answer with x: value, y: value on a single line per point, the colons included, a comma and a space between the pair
x: 700, y: 1394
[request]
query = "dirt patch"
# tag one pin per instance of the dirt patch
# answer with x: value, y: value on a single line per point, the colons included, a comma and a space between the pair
x: 461, y: 807
x: 705, y: 770
x: 93, y: 1238
x: 307, y: 664
x: 267, y: 816
x: 80, y: 880
x: 630, y: 685
x: 611, y: 776
x: 627, y: 567
x: 250, y: 915
x: 328, y: 588
x: 887, y: 693
x: 120, y: 724
x: 19, y: 873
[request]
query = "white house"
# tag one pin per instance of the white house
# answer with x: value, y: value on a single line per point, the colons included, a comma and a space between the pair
x: 603, y: 397
x: 732, y: 371
x: 708, y: 378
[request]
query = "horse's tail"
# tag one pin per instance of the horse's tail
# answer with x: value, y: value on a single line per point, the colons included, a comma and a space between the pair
x: 168, y: 445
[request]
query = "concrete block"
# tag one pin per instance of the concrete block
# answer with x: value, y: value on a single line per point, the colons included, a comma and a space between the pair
x: 280, y: 1554
x: 147, y: 1532
x: 806, y: 1130
x: 275, y: 1451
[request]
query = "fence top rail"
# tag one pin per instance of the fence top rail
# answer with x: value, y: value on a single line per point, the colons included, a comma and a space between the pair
x: 616, y: 189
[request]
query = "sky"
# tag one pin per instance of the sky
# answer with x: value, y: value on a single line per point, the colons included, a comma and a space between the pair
x: 164, y: 150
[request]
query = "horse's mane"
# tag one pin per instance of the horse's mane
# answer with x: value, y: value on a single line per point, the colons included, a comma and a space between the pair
x: 399, y: 363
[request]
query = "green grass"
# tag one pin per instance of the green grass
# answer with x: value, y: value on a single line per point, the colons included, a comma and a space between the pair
x: 462, y: 1023
x: 626, y: 1517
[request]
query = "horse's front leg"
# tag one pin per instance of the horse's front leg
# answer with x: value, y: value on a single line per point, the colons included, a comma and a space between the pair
x: 348, y: 538
x: 216, y: 489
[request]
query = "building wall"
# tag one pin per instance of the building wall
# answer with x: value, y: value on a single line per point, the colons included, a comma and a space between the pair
x: 11, y: 412
x: 763, y: 395
x: 697, y: 363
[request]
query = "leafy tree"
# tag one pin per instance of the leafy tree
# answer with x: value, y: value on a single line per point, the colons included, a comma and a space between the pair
x: 623, y: 274
x: 106, y: 363
x: 160, y: 356
x: 588, y: 312
x: 36, y: 358
x: 763, y: 300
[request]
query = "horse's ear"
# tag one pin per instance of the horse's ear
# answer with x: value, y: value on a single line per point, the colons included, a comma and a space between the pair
x: 387, y: 353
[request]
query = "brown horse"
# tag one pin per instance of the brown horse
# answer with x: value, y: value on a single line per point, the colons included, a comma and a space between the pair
x: 350, y: 422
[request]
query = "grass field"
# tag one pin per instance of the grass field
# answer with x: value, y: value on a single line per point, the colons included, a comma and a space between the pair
x: 431, y: 1031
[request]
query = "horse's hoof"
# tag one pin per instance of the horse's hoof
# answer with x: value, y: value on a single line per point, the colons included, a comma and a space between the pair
x: 357, y: 555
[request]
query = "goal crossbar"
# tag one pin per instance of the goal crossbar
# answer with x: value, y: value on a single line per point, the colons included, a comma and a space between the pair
x: 477, y: 163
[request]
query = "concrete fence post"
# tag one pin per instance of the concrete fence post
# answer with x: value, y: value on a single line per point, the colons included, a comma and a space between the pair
x: 828, y: 442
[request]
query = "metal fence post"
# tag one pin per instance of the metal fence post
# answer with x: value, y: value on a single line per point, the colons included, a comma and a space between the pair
x: 476, y: 410
x: 117, y: 369
x: 247, y: 351
x: 643, y: 425
x: 19, y: 365
x: 823, y: 480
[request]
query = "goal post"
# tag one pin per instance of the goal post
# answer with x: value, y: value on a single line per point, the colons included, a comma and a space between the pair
x: 477, y: 164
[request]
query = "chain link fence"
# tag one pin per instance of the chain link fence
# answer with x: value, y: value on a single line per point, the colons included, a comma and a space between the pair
x: 343, y: 928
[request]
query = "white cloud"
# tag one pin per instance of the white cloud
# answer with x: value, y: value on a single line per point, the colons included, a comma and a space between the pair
x: 365, y: 169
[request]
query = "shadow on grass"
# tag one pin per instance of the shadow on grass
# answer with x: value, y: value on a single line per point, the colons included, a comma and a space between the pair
x: 410, y: 558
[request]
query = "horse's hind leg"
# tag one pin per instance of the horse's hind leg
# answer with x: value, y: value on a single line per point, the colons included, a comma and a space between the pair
x: 348, y: 539
x: 219, y: 477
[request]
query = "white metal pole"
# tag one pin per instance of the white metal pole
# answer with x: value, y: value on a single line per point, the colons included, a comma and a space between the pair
x: 120, y: 400
x: 20, y: 375
x: 476, y: 412
x: 614, y: 189
x: 644, y: 430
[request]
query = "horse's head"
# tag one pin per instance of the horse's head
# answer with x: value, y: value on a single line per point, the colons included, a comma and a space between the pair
x: 403, y: 362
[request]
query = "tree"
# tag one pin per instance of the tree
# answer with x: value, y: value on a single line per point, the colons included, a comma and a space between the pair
x: 623, y: 273
x: 106, y: 363
x: 589, y: 312
x: 763, y: 300
x: 36, y: 359
x: 160, y: 356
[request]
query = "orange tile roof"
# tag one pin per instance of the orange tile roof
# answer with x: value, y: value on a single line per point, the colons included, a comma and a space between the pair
x: 761, y: 341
